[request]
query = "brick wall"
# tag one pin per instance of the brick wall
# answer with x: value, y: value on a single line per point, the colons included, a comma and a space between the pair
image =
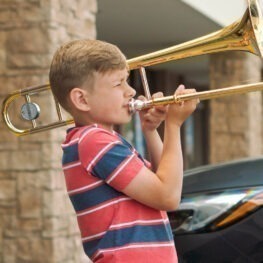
x: 37, y: 224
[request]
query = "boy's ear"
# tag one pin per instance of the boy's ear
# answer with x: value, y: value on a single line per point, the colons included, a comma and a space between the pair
x: 79, y: 98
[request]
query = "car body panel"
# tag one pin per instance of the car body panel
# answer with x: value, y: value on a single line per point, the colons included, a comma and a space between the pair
x: 225, y: 245
x: 241, y: 240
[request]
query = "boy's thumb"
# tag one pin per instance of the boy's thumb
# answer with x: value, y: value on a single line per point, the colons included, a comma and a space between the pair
x: 180, y: 87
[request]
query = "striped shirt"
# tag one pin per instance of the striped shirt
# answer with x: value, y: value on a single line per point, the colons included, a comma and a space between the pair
x: 98, y: 165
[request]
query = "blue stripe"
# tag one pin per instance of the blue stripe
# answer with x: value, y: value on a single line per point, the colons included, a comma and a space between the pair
x: 126, y: 143
x: 93, y: 197
x: 135, y: 234
x: 70, y: 154
x: 110, y: 161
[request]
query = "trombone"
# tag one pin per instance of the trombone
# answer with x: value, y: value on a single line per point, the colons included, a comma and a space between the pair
x: 245, y: 34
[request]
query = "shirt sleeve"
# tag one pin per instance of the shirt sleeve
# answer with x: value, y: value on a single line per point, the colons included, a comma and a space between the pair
x: 104, y: 156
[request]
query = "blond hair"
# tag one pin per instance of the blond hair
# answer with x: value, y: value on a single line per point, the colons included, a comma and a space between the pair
x: 75, y: 62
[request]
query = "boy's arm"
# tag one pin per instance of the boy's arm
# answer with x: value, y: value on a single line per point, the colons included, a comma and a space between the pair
x: 155, y: 147
x: 162, y: 190
x: 150, y: 121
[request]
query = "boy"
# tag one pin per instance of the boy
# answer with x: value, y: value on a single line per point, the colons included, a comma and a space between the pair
x: 118, y: 197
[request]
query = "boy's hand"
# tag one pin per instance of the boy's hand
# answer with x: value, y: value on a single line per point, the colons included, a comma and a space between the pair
x: 178, y: 112
x: 153, y: 117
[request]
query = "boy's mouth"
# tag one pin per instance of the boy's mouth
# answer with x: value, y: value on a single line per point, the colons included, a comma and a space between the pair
x: 127, y: 106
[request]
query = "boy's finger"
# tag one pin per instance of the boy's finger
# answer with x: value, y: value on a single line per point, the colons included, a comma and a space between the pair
x: 157, y: 95
x: 161, y: 108
x: 180, y: 89
x: 141, y: 97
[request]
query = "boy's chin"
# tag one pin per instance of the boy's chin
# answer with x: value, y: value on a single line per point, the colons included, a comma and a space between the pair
x: 125, y: 121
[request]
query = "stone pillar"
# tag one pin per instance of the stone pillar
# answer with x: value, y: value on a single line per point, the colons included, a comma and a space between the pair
x: 235, y: 127
x: 37, y: 223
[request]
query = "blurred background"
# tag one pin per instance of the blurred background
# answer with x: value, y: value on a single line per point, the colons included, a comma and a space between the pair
x: 37, y: 223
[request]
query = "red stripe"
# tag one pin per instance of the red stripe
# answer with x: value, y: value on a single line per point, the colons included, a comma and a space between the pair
x: 77, y: 177
x: 124, y: 212
x: 128, y: 172
x: 139, y: 253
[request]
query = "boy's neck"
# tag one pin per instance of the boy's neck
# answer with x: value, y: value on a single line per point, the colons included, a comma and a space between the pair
x: 86, y: 120
x: 106, y: 127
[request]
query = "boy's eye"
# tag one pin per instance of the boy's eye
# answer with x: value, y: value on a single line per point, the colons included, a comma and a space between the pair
x: 123, y: 82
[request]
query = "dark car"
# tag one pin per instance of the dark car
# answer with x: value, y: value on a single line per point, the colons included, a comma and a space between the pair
x: 220, y: 218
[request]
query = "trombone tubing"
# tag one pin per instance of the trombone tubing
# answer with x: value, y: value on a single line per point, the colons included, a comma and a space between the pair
x: 203, y: 95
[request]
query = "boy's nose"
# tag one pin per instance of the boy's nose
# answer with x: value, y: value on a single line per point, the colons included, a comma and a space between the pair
x: 131, y: 92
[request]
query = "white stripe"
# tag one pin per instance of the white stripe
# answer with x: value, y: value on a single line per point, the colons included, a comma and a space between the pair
x: 71, y: 165
x: 139, y: 222
x: 72, y: 142
x: 103, y: 206
x: 94, y: 236
x: 143, y: 245
x: 85, y: 187
x: 64, y: 145
x: 86, y: 132
x: 100, y: 153
x: 119, y: 169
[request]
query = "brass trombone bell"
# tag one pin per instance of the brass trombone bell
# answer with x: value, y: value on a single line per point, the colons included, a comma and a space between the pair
x: 245, y: 34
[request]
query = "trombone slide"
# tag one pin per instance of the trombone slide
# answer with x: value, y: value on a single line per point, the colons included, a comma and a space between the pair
x: 136, y: 105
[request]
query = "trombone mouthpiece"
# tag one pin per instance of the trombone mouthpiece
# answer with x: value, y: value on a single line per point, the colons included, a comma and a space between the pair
x: 136, y: 105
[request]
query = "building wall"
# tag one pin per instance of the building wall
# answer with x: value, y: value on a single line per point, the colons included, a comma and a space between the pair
x: 37, y: 223
x: 235, y: 122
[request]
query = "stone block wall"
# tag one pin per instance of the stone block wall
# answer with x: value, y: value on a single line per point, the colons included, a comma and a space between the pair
x: 235, y: 122
x: 37, y: 223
